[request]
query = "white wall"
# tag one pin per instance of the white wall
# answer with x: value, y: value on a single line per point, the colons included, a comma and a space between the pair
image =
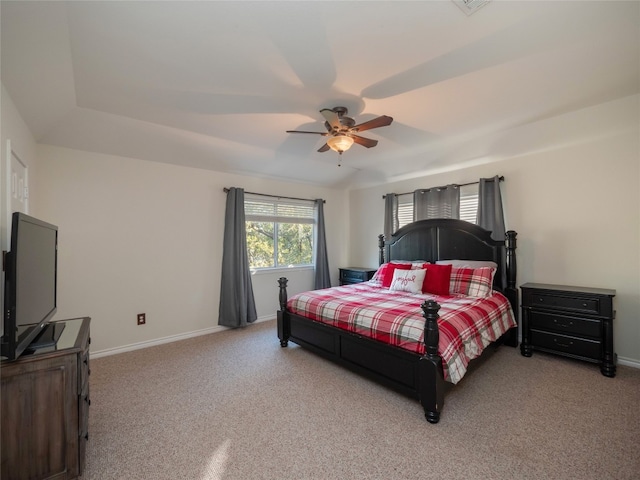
x: 572, y: 194
x: 13, y: 130
x: 16, y: 137
x: 138, y: 236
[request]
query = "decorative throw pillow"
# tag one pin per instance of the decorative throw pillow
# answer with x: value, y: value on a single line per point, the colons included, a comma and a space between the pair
x: 473, y: 282
x: 437, y: 279
x: 377, y: 277
x: 391, y: 268
x: 408, y: 280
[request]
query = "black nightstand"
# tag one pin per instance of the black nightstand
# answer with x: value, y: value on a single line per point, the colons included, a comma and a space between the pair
x: 576, y: 322
x: 351, y: 275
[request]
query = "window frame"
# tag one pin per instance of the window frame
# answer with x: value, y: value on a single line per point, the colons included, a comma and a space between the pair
x: 469, y: 195
x: 283, y: 210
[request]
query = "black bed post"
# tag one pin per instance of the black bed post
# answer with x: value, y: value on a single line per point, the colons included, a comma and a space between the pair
x: 511, y: 292
x: 283, y: 317
x: 431, y: 388
x: 381, y: 249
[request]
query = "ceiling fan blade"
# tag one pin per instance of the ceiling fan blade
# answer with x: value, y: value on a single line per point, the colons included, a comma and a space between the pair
x: 365, y: 142
x: 324, y: 134
x: 381, y: 121
x: 332, y: 118
x: 324, y: 148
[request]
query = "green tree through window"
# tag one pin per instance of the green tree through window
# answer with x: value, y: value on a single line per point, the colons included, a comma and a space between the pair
x: 260, y: 244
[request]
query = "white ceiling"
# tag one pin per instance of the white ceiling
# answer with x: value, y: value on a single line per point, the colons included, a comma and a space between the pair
x: 215, y: 84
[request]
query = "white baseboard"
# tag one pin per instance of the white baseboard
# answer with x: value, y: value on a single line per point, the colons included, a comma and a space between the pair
x: 629, y: 362
x: 172, y: 338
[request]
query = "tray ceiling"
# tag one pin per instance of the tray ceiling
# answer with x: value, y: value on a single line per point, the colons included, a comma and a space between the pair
x: 215, y: 85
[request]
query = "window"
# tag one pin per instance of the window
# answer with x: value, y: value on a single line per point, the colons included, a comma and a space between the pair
x: 280, y: 232
x: 405, y: 209
x: 468, y: 205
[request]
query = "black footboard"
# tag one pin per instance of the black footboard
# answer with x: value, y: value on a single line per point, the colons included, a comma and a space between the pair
x: 420, y: 376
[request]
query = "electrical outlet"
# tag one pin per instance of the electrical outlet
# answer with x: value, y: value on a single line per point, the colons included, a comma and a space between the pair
x: 142, y: 318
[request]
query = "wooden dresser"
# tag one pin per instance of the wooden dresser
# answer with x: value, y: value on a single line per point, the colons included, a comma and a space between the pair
x: 45, y: 408
x: 576, y: 322
x: 351, y: 275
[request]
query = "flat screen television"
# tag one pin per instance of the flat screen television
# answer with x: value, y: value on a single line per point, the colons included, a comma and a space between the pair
x: 30, y: 293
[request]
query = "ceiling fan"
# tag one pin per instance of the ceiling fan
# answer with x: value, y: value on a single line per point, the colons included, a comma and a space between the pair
x: 342, y: 130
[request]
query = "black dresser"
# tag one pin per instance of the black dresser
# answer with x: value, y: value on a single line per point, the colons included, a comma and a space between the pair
x: 576, y: 322
x: 351, y: 275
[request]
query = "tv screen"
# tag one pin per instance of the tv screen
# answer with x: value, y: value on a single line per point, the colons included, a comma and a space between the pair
x: 30, y: 282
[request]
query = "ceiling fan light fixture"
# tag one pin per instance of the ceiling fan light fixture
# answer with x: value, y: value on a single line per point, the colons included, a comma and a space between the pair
x: 340, y: 143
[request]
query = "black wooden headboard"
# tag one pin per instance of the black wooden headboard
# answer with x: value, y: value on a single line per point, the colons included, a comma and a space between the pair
x: 448, y: 239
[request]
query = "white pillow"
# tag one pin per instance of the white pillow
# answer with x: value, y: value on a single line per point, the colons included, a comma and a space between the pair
x: 468, y: 263
x: 408, y: 280
x: 414, y: 263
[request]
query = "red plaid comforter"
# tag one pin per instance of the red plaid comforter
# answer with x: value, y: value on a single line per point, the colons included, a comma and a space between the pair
x: 467, y: 324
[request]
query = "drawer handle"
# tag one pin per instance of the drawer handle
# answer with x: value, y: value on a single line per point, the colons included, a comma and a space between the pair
x: 570, y: 324
x: 555, y: 340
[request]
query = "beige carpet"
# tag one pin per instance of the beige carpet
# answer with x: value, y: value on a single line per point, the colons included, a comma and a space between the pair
x: 234, y: 405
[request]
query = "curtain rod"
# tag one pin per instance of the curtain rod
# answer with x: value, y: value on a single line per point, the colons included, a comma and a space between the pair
x: 226, y: 190
x: 500, y: 178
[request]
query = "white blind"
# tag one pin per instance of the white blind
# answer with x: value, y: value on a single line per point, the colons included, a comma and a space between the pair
x: 405, y: 209
x: 265, y: 209
x: 469, y: 203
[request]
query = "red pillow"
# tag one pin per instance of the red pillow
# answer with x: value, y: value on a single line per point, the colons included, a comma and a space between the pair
x: 387, y: 277
x: 437, y: 279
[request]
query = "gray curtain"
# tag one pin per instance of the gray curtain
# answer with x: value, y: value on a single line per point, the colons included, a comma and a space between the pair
x: 440, y: 202
x: 323, y: 277
x: 390, y: 215
x: 237, y: 305
x: 490, y: 214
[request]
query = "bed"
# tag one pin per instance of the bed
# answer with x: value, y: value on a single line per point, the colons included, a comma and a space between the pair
x: 418, y: 372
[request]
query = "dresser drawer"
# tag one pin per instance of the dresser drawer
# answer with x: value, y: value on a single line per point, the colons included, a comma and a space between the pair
x: 84, y: 401
x: 564, y: 302
x: 580, y: 347
x: 355, y: 275
x: 83, y: 369
x: 566, y: 324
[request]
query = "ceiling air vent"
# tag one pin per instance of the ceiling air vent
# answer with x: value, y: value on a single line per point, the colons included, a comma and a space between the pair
x: 470, y: 6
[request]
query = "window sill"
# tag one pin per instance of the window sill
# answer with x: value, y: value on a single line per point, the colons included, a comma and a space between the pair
x: 275, y: 270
